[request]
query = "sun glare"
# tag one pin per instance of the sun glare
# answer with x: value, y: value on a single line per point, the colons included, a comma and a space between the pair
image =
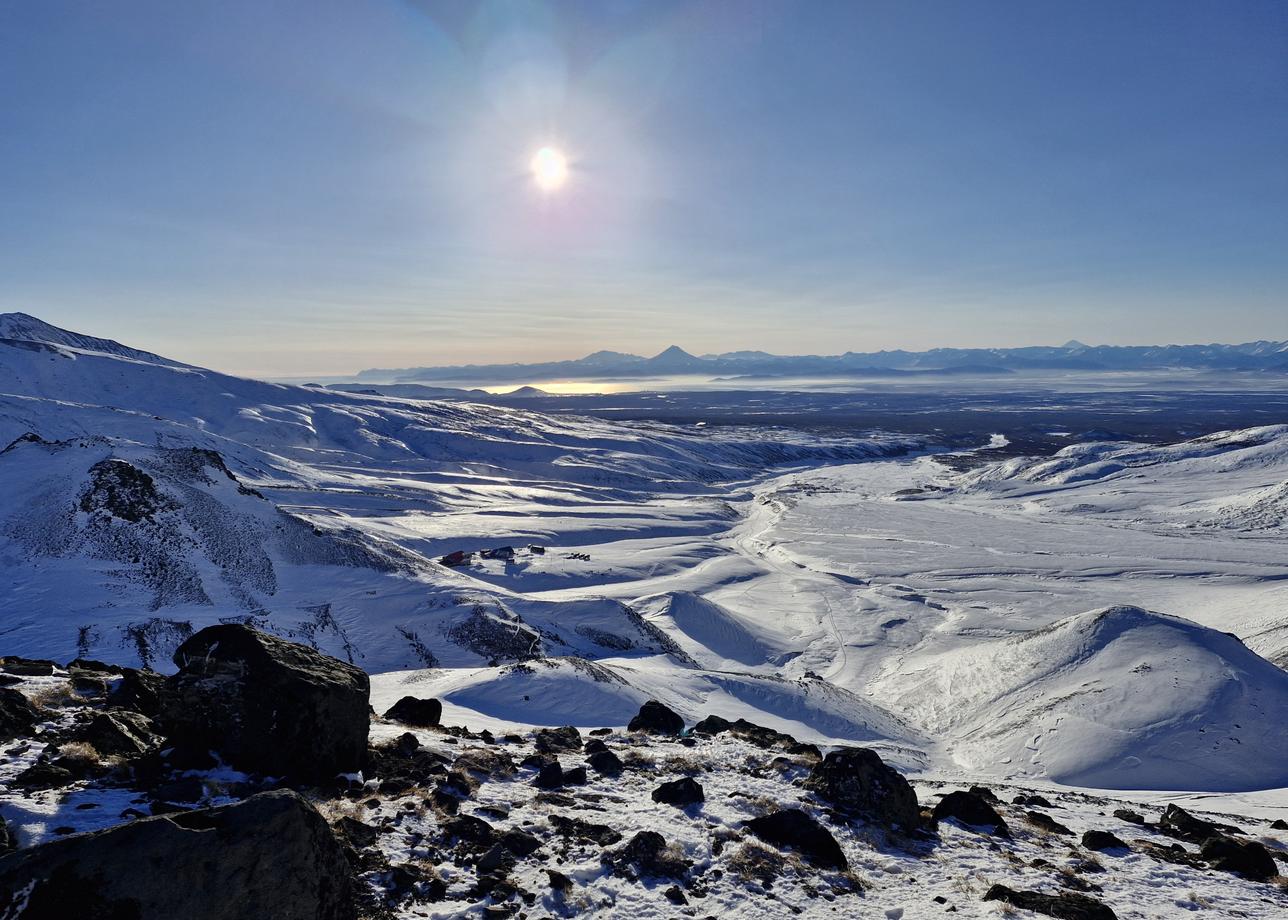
x: 549, y: 169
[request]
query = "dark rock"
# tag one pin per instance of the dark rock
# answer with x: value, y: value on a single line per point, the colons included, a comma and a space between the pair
x: 27, y: 667
x: 578, y: 829
x: 675, y: 895
x: 680, y: 792
x: 755, y: 734
x: 656, y: 719
x: 520, y: 843
x: 971, y: 810
x: 601, y: 731
x: 123, y: 733
x: 794, y: 828
x: 550, y: 776
x: 1244, y: 857
x: 416, y: 882
x: 93, y: 665
x: 856, y: 781
x: 1047, y: 823
x: 605, y: 762
x: 267, y: 705
x: 1064, y: 906
x: 474, y: 831
x: 1033, y: 800
x: 1102, y: 840
x: 1279, y: 824
x: 594, y: 746
x: 646, y: 855
x: 986, y: 794
x: 806, y: 750
x: 555, y: 740
x: 185, y: 789
x: 575, y: 777
x: 17, y: 716
x: 43, y: 776
x: 413, y: 711
x: 359, y: 835
x: 8, y: 841
x: 485, y: 762
x: 271, y: 855
x: 1131, y: 817
x: 559, y: 881
x: 496, y: 859
x: 1179, y: 823
x: 140, y: 691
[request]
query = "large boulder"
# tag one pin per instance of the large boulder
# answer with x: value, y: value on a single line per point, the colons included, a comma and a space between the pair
x: 1248, y: 858
x: 271, y: 855
x: 857, y: 781
x: 656, y: 718
x: 793, y: 828
x: 412, y: 710
x: 972, y: 810
x: 267, y: 705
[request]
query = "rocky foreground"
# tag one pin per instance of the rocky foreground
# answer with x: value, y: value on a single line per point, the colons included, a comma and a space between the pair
x: 246, y: 785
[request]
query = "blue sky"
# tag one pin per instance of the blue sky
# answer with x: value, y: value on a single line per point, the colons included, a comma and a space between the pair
x: 315, y: 187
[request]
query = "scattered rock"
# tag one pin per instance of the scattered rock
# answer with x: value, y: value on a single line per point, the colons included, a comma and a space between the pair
x: 271, y: 855
x: 1279, y: 824
x: 42, y: 775
x: 27, y: 667
x: 1179, y: 823
x: 675, y: 895
x: 656, y: 719
x: 578, y: 829
x: 1065, y: 906
x: 556, y: 740
x: 986, y: 794
x: 1131, y: 817
x: 1244, y: 857
x: 411, y: 710
x: 17, y: 716
x: 755, y: 734
x: 857, y: 781
x: 680, y: 793
x: 1102, y: 840
x: 139, y: 691
x: 550, y: 776
x: 122, y: 733
x: 971, y: 810
x: 267, y: 705
x: 1047, y: 823
x: 605, y: 762
x: 646, y: 855
x: 795, y: 829
x: 475, y: 832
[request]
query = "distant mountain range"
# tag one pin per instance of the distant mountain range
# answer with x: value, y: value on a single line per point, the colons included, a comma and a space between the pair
x: 1251, y: 356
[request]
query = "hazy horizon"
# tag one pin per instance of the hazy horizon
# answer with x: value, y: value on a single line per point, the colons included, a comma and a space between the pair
x: 303, y: 189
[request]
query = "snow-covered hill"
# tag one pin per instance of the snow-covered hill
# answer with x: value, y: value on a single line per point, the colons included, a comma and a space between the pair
x: 987, y: 623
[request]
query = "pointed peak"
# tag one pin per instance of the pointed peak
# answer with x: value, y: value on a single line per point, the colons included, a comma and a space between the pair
x: 1073, y: 345
x: 674, y: 351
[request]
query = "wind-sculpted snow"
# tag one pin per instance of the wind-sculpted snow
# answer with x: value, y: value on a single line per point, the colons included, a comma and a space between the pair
x: 1119, y: 698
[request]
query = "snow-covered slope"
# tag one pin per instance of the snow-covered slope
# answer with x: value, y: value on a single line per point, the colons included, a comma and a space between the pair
x: 830, y: 587
x: 1116, y: 698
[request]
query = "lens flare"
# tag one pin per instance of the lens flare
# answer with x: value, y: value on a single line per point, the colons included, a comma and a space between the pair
x: 549, y: 169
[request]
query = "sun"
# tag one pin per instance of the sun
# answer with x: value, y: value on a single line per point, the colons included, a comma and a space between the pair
x: 549, y: 169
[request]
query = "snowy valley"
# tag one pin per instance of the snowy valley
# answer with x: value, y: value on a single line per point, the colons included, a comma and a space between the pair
x: 1105, y: 626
